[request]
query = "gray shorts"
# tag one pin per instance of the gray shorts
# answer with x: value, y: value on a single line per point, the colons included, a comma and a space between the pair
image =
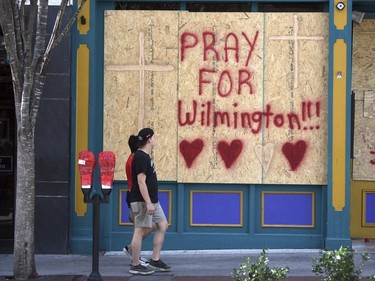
x: 142, y: 218
x: 131, y: 215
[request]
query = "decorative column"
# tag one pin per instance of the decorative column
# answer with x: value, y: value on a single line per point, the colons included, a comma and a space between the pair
x: 339, y: 127
x: 81, y: 100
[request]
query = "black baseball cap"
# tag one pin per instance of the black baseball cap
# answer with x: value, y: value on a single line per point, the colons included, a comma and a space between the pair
x: 145, y: 134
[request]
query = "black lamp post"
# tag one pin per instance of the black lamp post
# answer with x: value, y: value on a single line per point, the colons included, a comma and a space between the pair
x: 96, y: 199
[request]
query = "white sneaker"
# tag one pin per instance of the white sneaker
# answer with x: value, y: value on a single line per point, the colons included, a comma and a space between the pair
x: 128, y: 251
x: 143, y: 261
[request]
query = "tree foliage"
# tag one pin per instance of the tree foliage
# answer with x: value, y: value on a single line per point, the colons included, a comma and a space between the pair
x: 259, y: 270
x: 339, y: 265
x: 25, y: 31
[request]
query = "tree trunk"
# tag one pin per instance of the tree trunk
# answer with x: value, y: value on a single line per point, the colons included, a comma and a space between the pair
x: 24, y: 35
x: 24, y: 262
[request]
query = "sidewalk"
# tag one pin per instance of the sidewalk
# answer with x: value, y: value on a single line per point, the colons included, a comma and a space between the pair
x: 216, y: 265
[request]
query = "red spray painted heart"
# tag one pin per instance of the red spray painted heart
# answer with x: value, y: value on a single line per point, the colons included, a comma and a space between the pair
x: 229, y: 152
x: 190, y: 151
x: 294, y: 153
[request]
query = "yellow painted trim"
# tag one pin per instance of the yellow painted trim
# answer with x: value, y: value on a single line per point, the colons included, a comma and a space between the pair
x: 290, y: 225
x: 339, y: 125
x: 82, y: 119
x: 340, y: 16
x: 215, y: 192
x: 85, y: 13
x: 357, y: 209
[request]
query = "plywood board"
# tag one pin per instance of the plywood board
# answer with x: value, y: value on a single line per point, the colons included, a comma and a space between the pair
x: 296, y: 87
x: 210, y: 78
x: 141, y: 51
x: 364, y: 88
x: 222, y: 114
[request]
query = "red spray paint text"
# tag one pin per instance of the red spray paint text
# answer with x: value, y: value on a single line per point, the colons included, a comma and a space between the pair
x: 205, y: 115
x: 208, y: 45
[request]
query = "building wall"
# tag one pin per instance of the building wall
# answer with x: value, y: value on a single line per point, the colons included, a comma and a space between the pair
x: 55, y: 198
x: 52, y: 144
x: 331, y: 202
x: 191, y: 224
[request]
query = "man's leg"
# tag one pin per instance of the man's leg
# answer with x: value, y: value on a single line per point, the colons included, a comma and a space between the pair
x: 161, y: 229
x: 136, y: 245
x: 136, y: 267
x: 155, y: 262
x: 148, y: 231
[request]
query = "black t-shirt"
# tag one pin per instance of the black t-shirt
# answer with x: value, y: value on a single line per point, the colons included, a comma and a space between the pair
x: 142, y: 163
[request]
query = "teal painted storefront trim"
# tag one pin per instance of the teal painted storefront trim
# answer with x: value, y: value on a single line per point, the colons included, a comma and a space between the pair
x: 106, y: 213
x: 81, y: 226
x: 331, y: 230
x: 183, y: 236
x: 80, y: 235
x: 338, y: 222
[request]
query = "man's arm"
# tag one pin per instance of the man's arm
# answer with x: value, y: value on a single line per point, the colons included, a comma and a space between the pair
x: 144, y: 191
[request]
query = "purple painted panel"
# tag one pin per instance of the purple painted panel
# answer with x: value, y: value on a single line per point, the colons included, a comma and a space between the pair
x: 289, y: 209
x: 216, y: 208
x: 124, y: 211
x: 370, y: 207
x: 164, y: 202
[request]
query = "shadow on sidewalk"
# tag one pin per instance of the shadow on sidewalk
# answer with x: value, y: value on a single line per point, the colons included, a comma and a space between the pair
x: 151, y: 278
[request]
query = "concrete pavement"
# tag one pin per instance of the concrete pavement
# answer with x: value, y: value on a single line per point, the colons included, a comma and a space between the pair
x: 186, y: 265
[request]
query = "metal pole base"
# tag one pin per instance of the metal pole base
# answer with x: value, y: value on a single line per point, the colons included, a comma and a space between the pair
x: 95, y: 276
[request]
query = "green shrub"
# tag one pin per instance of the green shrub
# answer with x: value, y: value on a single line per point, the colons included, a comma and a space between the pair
x: 339, y: 265
x: 259, y: 271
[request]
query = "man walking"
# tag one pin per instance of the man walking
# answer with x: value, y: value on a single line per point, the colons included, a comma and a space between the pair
x: 146, y: 206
